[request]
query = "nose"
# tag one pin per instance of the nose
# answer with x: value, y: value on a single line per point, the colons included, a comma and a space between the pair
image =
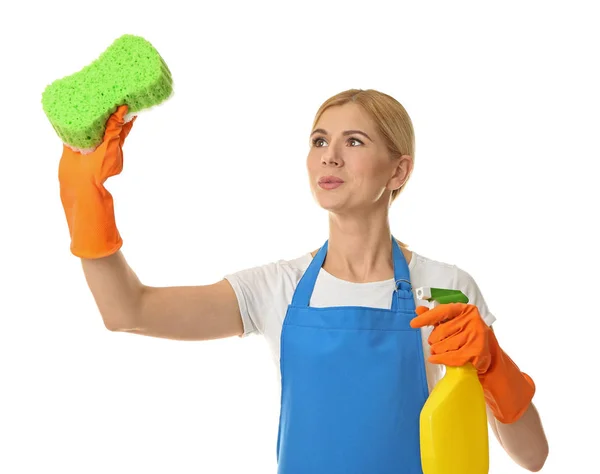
x: 331, y: 157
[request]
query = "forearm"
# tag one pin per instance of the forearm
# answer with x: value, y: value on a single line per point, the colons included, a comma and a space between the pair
x: 115, y: 287
x: 524, y: 440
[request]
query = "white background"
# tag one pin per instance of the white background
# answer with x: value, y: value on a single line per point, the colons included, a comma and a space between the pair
x: 504, y: 101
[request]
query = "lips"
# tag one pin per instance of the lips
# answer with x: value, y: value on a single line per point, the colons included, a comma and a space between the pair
x: 330, y: 180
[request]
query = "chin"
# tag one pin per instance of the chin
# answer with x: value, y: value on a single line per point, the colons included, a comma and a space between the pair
x: 330, y: 200
x: 329, y: 204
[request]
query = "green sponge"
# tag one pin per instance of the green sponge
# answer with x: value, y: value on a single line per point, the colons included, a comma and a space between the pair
x: 130, y: 71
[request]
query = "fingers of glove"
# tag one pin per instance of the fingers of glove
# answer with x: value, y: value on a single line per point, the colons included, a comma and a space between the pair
x: 453, y: 342
x: 462, y: 348
x: 115, y: 123
x: 116, y: 132
x: 107, y: 160
x: 126, y: 129
x: 438, y: 314
x: 112, y: 164
x: 452, y: 358
x: 447, y: 329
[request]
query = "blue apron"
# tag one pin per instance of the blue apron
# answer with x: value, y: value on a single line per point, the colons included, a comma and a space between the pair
x: 353, y: 383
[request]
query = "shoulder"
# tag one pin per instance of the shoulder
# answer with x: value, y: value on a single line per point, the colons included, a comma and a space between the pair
x: 273, y: 275
x: 436, y: 273
x: 264, y: 291
x: 443, y: 270
x: 447, y: 275
x: 465, y: 282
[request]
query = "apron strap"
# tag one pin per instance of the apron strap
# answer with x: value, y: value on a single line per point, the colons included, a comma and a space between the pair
x: 403, y: 296
x: 403, y: 290
x: 306, y: 284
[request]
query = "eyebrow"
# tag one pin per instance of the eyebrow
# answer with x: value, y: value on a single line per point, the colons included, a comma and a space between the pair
x: 345, y: 133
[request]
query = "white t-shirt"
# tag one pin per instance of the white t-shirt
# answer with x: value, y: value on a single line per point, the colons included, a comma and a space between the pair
x: 264, y: 293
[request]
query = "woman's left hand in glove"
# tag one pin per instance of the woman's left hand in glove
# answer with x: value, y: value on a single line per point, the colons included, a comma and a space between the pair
x: 461, y: 336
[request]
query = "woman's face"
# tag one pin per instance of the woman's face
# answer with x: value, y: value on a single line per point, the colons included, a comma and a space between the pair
x: 349, y: 165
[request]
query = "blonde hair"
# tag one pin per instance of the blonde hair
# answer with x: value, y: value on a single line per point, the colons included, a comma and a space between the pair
x: 390, y: 117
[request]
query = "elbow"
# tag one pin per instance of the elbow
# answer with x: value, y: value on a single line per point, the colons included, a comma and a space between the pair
x: 118, y: 323
x: 125, y: 317
x: 537, y: 464
x: 535, y: 467
x: 112, y: 325
x: 122, y: 328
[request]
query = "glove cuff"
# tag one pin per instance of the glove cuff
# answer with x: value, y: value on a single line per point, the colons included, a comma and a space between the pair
x: 508, y: 391
x: 91, y: 220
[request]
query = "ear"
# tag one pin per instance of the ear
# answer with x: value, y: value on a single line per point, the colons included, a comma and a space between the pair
x: 402, y: 171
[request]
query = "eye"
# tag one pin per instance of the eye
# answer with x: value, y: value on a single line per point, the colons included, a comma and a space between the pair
x: 351, y: 139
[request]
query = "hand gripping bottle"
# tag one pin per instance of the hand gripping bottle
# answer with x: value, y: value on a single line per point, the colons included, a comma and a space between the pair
x: 453, y: 423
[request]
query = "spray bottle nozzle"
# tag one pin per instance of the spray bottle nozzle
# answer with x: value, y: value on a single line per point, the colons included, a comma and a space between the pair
x: 437, y: 296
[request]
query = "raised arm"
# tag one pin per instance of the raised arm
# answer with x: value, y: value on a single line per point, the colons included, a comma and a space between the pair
x: 185, y: 313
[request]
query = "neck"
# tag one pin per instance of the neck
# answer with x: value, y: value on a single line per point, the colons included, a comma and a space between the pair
x: 360, y: 247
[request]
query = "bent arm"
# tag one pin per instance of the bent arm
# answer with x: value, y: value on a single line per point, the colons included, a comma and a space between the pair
x: 116, y: 288
x: 524, y: 440
x: 186, y: 313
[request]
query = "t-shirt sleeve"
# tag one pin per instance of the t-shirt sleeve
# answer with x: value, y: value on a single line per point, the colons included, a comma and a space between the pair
x: 255, y: 288
x: 466, y: 283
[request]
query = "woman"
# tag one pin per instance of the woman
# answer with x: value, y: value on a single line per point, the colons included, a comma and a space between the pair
x: 357, y: 357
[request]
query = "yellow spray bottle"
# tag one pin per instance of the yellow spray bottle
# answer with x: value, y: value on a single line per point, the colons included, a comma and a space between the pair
x: 453, y: 423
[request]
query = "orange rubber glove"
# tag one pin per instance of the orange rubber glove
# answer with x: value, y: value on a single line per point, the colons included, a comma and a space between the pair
x: 88, y: 205
x: 461, y: 336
